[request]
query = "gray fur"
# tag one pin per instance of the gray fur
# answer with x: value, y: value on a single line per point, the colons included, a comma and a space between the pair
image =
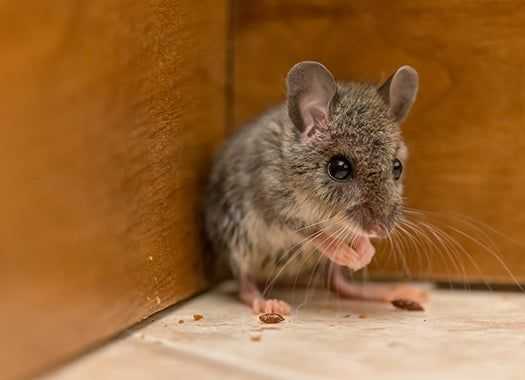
x: 270, y: 178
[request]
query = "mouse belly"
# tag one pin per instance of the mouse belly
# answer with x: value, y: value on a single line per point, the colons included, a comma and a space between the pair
x: 297, y: 268
x: 286, y: 259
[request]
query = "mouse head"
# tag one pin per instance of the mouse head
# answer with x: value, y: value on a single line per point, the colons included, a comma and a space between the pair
x: 347, y: 152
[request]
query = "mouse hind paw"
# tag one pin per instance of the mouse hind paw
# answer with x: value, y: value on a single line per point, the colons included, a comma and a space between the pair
x: 261, y: 305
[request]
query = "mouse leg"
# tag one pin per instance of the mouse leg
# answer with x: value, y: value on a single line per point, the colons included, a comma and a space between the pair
x: 251, y: 296
x: 374, y: 292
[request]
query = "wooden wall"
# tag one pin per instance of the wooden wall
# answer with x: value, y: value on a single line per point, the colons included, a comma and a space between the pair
x: 465, y: 133
x: 109, y: 111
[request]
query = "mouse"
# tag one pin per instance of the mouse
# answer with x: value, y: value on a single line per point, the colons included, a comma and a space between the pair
x: 314, y: 179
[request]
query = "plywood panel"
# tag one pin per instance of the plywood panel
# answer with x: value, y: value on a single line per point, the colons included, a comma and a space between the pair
x: 109, y: 111
x: 465, y: 133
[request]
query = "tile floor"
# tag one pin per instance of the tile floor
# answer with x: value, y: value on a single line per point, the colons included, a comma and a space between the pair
x: 461, y: 335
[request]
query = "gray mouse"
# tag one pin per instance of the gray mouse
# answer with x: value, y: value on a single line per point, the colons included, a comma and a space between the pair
x: 310, y: 181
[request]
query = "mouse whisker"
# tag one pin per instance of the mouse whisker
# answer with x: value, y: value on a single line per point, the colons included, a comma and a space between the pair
x: 452, y: 247
x: 318, y: 223
x: 411, y: 240
x: 329, y: 237
x: 398, y: 252
x: 458, y: 248
x: 428, y: 244
x: 332, y: 238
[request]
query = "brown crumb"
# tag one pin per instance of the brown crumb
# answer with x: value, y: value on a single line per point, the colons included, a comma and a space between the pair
x: 255, y: 337
x: 363, y: 316
x: 407, y: 305
x: 347, y: 316
x: 197, y: 317
x: 271, y: 318
x: 181, y: 320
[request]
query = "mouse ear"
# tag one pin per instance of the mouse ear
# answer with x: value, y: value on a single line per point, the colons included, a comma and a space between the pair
x: 311, y: 88
x: 399, y: 92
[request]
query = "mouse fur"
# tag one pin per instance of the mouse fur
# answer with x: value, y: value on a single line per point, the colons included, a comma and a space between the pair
x: 269, y: 190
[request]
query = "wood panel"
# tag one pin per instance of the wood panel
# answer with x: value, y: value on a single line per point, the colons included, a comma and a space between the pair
x: 465, y: 133
x: 110, y: 110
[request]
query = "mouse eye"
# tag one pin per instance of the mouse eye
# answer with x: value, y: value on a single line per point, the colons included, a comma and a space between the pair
x: 397, y: 169
x: 340, y: 168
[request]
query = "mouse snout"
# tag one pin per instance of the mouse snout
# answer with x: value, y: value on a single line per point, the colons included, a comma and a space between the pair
x: 376, y: 223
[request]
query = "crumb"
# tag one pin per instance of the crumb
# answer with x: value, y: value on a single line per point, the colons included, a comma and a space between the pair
x: 363, y: 316
x: 255, y: 337
x: 181, y: 320
x: 407, y: 305
x: 197, y: 317
x: 158, y: 300
x: 150, y: 258
x: 271, y: 318
x: 347, y: 316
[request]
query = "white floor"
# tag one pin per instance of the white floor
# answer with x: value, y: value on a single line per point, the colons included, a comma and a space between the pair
x: 462, y: 335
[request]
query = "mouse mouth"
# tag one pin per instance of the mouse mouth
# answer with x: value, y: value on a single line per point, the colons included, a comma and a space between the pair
x: 364, y: 223
x: 376, y: 231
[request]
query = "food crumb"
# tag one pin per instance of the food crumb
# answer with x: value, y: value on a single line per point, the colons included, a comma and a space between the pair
x: 181, y: 321
x: 150, y: 258
x: 271, y: 318
x: 197, y: 317
x: 158, y: 300
x: 409, y: 305
x: 363, y: 316
x: 255, y: 337
x: 346, y: 316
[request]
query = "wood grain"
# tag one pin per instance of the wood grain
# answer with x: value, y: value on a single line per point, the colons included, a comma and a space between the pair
x: 110, y: 110
x: 465, y: 133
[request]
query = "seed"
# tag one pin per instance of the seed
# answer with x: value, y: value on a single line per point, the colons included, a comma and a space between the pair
x: 407, y: 305
x: 271, y: 318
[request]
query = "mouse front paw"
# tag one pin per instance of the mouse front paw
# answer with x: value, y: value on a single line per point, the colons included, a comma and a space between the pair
x: 354, y: 258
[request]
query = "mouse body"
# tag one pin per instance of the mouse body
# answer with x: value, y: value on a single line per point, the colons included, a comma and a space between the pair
x: 311, y: 182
